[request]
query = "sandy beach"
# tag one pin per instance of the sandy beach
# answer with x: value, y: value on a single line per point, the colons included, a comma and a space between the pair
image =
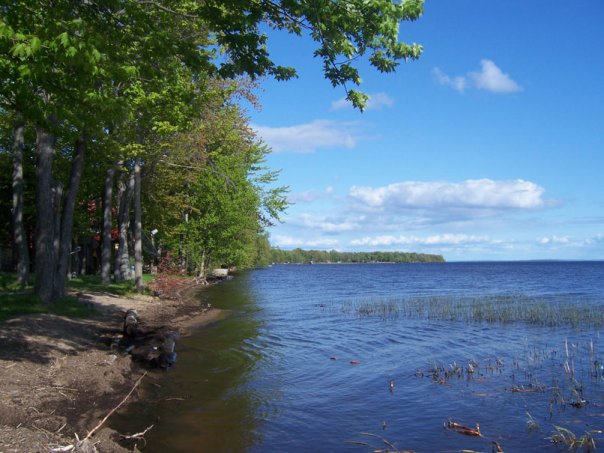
x: 62, y: 376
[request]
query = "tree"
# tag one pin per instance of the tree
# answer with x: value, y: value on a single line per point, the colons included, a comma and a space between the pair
x: 344, y: 32
x: 226, y: 195
x: 19, y: 235
x: 76, y: 71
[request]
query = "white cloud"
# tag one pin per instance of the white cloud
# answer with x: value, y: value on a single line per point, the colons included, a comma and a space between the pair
x: 309, y: 196
x: 570, y: 241
x: 288, y: 241
x: 457, y: 83
x: 560, y: 240
x: 490, y: 78
x: 327, y: 225
x: 377, y: 101
x: 597, y: 239
x: 307, y: 138
x: 469, y: 194
x: 434, y: 240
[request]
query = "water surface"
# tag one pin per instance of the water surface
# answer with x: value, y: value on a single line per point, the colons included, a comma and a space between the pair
x: 276, y: 374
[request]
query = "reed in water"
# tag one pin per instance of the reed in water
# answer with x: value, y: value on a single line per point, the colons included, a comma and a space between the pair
x: 492, y: 309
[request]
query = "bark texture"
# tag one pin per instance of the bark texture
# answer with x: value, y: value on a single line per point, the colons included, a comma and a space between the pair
x: 107, y: 224
x: 138, y: 228
x: 77, y: 167
x: 122, y: 258
x: 45, y: 256
x: 20, y: 248
x: 57, y: 199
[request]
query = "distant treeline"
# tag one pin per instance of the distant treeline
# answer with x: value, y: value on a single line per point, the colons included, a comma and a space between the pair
x: 298, y: 256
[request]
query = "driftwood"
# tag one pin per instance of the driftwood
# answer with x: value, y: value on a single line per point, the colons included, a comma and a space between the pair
x: 463, y: 429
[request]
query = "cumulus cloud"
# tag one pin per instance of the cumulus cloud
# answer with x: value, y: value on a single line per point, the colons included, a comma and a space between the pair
x: 469, y: 194
x: 457, y: 83
x: 327, y: 225
x: 377, y: 101
x: 551, y: 240
x: 288, y: 241
x: 307, y: 138
x: 570, y: 241
x: 434, y: 240
x: 490, y: 78
x: 309, y: 196
x: 597, y: 239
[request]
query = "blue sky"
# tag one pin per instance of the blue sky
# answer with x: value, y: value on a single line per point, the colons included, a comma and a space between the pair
x: 490, y: 147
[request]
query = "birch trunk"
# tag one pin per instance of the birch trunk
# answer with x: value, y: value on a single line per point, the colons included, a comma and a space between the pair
x: 19, y: 237
x: 106, y: 244
x: 45, y: 257
x: 77, y: 167
x: 122, y: 259
x: 138, y: 228
x: 57, y: 198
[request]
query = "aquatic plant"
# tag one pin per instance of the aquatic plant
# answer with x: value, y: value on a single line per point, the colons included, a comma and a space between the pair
x: 390, y: 447
x: 531, y: 423
x: 567, y: 438
x: 489, y: 308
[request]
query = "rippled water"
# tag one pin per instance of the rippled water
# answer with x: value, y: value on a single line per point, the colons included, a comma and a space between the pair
x: 276, y: 374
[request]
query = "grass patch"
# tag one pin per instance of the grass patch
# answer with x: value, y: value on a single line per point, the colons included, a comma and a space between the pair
x: 8, y: 282
x: 14, y: 304
x: 92, y: 283
x: 491, y: 309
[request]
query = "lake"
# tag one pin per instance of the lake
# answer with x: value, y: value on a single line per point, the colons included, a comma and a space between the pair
x: 318, y: 358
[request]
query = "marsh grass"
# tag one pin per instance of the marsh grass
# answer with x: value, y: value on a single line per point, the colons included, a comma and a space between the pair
x: 569, y: 439
x: 572, y: 398
x: 491, y: 309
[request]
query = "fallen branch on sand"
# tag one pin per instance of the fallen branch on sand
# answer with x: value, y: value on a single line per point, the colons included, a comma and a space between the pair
x: 116, y: 407
x: 80, y: 443
x: 137, y: 436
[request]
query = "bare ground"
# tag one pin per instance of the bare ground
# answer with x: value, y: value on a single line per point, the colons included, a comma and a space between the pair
x: 59, y: 377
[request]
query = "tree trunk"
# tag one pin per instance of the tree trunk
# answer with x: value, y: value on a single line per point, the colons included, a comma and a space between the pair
x: 45, y: 257
x: 121, y: 190
x: 107, y: 223
x: 138, y: 228
x: 57, y: 198
x: 77, y: 167
x: 19, y: 237
x: 202, y: 266
x: 122, y: 259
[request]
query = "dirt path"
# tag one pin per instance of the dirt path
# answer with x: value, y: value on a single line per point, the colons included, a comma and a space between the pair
x: 59, y: 377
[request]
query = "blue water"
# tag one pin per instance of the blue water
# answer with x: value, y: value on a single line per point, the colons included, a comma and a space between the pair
x: 278, y: 375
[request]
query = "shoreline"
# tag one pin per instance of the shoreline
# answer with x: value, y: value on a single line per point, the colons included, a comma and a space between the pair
x: 62, y: 376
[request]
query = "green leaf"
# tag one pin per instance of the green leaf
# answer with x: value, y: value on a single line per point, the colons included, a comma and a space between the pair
x: 358, y: 99
x: 24, y: 70
x: 64, y: 39
x: 19, y: 50
x: 35, y: 44
x: 6, y: 30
